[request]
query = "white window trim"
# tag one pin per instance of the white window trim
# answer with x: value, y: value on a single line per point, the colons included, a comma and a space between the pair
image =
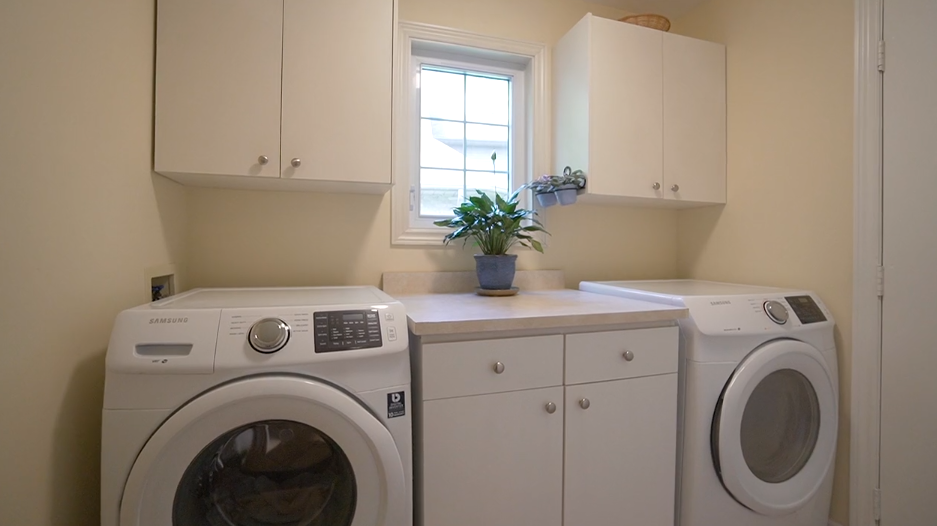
x: 535, y: 60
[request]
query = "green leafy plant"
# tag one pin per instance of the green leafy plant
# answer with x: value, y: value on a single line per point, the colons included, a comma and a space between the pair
x: 495, y: 225
x: 552, y: 183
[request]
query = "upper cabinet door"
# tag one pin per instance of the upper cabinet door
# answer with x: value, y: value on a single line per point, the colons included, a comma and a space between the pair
x: 694, y: 120
x: 337, y: 75
x: 625, y: 107
x: 218, y: 88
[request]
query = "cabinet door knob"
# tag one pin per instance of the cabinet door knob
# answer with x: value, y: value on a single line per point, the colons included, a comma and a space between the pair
x: 551, y: 407
x: 296, y: 162
x: 675, y: 188
x: 656, y: 186
x: 585, y: 403
x: 263, y: 159
x: 498, y: 367
x: 628, y: 355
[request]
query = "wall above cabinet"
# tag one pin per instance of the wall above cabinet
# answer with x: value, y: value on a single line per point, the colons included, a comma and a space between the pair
x: 282, y: 95
x: 642, y: 113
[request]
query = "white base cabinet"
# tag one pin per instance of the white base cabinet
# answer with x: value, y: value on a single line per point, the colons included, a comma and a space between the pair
x: 621, y: 452
x: 494, y: 459
x: 574, y: 430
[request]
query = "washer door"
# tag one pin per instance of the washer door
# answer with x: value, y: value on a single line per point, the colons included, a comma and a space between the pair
x: 774, y: 428
x: 283, y: 450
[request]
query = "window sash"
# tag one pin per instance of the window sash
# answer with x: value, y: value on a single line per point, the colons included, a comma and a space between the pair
x: 517, y: 143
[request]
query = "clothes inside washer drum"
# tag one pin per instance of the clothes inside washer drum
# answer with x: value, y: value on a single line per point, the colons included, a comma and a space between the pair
x: 273, y: 473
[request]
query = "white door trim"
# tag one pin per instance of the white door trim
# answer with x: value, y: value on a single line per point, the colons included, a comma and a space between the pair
x: 867, y: 307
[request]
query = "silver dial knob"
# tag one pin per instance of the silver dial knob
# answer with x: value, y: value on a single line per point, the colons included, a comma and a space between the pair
x: 296, y: 162
x: 777, y: 312
x: 585, y: 403
x: 656, y: 186
x: 263, y: 159
x: 269, y: 335
x: 551, y: 407
x: 498, y: 367
x: 675, y: 188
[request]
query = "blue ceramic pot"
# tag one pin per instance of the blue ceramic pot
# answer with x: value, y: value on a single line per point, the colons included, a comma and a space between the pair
x: 495, y: 272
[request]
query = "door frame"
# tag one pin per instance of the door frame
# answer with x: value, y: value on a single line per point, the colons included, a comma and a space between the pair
x: 865, y: 411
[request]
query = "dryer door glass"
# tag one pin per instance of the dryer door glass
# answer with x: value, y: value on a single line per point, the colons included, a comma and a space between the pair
x: 273, y: 472
x: 780, y: 426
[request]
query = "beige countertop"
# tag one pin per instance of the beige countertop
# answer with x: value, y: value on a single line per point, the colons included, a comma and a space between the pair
x: 463, y: 313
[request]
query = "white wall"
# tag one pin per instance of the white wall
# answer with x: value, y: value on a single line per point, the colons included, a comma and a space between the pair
x: 788, y: 221
x: 255, y: 238
x: 81, y: 216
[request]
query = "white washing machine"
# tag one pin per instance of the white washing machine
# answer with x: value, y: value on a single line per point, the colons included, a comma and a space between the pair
x: 758, y: 402
x: 254, y: 407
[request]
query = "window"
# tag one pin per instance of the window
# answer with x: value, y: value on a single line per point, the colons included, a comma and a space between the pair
x: 469, y: 116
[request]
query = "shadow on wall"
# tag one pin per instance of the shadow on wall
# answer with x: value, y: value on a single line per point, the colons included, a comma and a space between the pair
x: 695, y: 228
x: 76, y: 454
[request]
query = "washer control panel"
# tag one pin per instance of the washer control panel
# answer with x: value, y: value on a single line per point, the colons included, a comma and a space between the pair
x: 806, y: 310
x: 347, y: 330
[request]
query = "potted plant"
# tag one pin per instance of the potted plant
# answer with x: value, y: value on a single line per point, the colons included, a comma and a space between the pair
x: 495, y: 226
x: 562, y: 189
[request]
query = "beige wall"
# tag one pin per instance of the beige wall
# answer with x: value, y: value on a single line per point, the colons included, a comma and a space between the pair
x: 255, y: 238
x: 788, y: 221
x: 81, y: 216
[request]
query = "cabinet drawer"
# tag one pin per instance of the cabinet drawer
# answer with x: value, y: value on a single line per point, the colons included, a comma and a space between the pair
x: 599, y: 356
x: 470, y: 368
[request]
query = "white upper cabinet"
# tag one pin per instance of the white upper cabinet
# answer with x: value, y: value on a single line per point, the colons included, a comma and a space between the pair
x: 694, y: 119
x: 642, y: 113
x: 337, y: 74
x: 275, y: 94
x: 218, y: 87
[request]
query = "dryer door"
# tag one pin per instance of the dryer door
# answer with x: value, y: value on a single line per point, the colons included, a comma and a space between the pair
x: 268, y: 450
x: 774, y: 428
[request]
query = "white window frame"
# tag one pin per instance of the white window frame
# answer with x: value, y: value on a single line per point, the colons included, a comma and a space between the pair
x: 526, y: 62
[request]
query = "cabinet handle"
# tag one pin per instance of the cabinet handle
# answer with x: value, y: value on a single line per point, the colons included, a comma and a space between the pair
x: 551, y: 407
x: 585, y: 403
x: 675, y: 188
x: 263, y: 159
x: 498, y: 367
x: 656, y: 186
x: 628, y: 356
x: 296, y: 162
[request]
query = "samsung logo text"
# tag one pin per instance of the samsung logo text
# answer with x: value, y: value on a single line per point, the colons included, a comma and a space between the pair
x: 167, y: 321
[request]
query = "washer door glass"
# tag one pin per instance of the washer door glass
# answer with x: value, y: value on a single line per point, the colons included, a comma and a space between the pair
x: 268, y: 450
x: 780, y: 426
x: 274, y: 472
x: 774, y: 427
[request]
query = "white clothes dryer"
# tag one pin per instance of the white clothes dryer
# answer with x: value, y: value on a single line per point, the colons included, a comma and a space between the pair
x: 758, y: 409
x: 253, y: 407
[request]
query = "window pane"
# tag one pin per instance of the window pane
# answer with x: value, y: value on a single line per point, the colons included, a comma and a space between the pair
x: 441, y: 144
x: 487, y: 100
x: 440, y: 191
x: 442, y: 95
x: 487, y: 182
x: 482, y: 140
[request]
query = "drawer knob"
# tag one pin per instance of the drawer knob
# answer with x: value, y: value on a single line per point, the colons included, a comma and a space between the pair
x: 262, y: 160
x: 498, y: 367
x: 628, y: 356
x: 296, y: 162
x: 585, y: 403
x: 551, y: 407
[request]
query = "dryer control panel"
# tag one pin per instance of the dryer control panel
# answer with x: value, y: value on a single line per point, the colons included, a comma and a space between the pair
x: 347, y: 330
x: 806, y: 309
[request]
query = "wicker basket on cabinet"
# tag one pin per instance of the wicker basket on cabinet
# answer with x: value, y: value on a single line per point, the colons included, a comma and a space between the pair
x: 652, y: 21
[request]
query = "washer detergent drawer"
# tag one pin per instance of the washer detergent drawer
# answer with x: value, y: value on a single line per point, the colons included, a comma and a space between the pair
x: 600, y: 356
x: 491, y: 366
